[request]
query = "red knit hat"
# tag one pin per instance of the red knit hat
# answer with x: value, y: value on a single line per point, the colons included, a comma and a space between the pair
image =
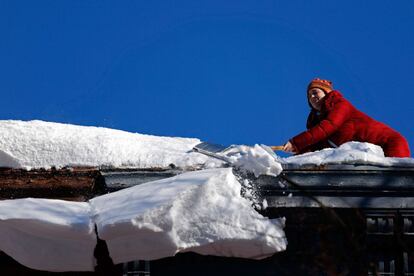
x: 325, y: 85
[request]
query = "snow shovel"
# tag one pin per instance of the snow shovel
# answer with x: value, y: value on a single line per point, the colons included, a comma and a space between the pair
x: 212, y: 150
x: 219, y: 151
x: 216, y: 151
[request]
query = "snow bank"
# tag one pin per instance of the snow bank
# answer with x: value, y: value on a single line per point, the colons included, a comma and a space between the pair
x: 48, y: 234
x: 38, y: 144
x: 199, y: 211
x: 349, y: 153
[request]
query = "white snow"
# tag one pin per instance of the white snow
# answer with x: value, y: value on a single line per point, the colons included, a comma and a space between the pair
x: 257, y: 159
x: 38, y: 144
x: 47, y: 234
x: 349, y: 153
x: 199, y: 211
x: 261, y: 160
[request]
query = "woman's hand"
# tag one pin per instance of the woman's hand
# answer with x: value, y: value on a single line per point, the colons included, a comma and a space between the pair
x: 289, y: 147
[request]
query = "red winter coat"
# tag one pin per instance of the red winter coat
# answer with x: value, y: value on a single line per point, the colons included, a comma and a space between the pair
x: 340, y: 122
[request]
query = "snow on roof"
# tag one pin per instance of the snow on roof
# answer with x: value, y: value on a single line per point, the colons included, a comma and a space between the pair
x: 47, y: 234
x: 262, y: 160
x: 258, y: 159
x: 201, y: 211
x: 39, y: 144
x: 349, y: 153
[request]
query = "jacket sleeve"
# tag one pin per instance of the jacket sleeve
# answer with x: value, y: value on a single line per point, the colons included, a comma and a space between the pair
x: 339, y: 112
x: 318, y: 146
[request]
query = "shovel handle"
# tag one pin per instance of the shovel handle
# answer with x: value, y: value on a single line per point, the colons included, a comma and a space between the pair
x: 277, y: 147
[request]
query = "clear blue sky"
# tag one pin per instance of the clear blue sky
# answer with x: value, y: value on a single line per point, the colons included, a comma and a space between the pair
x: 222, y: 71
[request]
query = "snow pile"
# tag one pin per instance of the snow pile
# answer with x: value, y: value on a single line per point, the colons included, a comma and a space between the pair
x: 48, y: 234
x: 262, y: 160
x: 349, y: 153
x: 258, y: 159
x: 202, y: 212
x: 38, y: 144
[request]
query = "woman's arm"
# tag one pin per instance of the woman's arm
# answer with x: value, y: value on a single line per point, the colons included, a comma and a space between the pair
x: 338, y: 113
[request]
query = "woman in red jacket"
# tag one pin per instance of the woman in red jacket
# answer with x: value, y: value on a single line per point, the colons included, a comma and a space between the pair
x: 333, y: 121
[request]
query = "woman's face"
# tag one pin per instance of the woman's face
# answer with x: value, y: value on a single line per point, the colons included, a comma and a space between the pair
x: 315, y: 96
